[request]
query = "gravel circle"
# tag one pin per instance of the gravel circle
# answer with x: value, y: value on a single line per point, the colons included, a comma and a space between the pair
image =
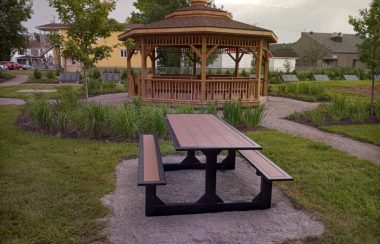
x: 128, y: 224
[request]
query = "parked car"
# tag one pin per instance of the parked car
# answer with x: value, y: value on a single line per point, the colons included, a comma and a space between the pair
x: 7, y: 64
x: 27, y: 66
x: 3, y: 67
x: 17, y: 66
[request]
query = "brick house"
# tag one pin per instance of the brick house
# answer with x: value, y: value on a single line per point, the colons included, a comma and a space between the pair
x: 330, y: 49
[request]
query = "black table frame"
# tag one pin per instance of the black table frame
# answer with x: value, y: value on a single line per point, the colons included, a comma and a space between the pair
x: 210, y: 201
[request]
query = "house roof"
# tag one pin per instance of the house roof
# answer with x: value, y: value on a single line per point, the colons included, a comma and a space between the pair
x: 199, y: 18
x: 347, y: 45
x: 51, y: 26
x: 284, y: 54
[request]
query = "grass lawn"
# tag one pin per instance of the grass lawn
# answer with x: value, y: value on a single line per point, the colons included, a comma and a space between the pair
x: 358, y: 90
x: 11, y: 91
x: 51, y: 188
x: 368, y: 133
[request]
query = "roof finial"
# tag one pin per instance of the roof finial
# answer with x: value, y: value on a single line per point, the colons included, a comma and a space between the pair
x: 198, y: 2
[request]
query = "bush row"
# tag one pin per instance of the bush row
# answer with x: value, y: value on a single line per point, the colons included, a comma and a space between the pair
x: 70, y: 115
x: 340, y: 111
x: 309, y: 91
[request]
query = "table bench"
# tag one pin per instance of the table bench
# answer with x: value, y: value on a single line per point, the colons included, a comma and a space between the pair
x: 268, y: 171
x: 116, y: 77
x: 69, y: 77
x: 150, y: 171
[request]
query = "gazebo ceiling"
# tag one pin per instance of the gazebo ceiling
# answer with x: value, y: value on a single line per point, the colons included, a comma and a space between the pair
x: 198, y: 18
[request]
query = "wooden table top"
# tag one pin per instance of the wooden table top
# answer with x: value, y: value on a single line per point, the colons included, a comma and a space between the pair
x: 206, y: 131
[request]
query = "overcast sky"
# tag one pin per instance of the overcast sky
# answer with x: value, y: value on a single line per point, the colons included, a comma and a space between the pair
x: 287, y: 18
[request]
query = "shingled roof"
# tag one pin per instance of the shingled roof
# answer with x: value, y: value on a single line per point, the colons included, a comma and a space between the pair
x: 348, y: 43
x: 206, y: 19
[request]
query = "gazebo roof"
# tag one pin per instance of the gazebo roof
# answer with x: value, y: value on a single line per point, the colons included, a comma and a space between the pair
x: 198, y: 18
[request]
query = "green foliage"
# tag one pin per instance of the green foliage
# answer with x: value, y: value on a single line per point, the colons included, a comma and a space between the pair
x: 37, y: 74
x: 96, y: 119
x: 244, y: 73
x: 232, y: 112
x: 253, y: 116
x: 151, y: 120
x: 211, y: 108
x: 185, y: 109
x: 95, y: 74
x: 40, y: 111
x: 377, y: 110
x: 124, y: 121
x: 98, y: 87
x: 13, y: 34
x: 315, y: 91
x: 50, y: 75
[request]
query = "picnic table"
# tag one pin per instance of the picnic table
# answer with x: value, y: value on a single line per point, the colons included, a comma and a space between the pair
x: 210, y: 135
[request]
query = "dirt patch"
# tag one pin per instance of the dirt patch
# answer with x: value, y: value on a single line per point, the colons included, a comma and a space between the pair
x: 361, y: 90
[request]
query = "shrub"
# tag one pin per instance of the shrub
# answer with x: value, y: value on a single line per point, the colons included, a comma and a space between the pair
x: 37, y: 74
x: 68, y: 98
x: 61, y: 120
x: 211, y: 108
x: 253, y: 116
x: 232, y: 112
x: 50, y: 75
x: 244, y: 73
x: 317, y: 117
x: 57, y: 72
x: 95, y: 74
x: 124, y: 122
x: 40, y: 112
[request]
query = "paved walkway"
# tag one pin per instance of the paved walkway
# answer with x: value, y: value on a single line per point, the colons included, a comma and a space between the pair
x: 11, y: 101
x: 277, y: 108
x: 19, y: 79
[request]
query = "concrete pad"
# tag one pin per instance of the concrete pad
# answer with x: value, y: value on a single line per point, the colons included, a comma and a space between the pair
x: 37, y: 91
x: 128, y: 223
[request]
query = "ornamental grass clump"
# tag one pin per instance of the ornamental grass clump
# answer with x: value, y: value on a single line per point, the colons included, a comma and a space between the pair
x: 253, y: 116
x: 97, y: 119
x: 151, y: 120
x: 233, y: 112
x: 124, y: 122
x: 184, y: 109
x: 40, y: 111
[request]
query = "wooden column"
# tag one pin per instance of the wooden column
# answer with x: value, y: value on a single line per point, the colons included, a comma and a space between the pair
x: 259, y: 59
x: 195, y: 58
x: 237, y: 62
x: 143, y: 69
x: 153, y: 60
x: 266, y: 74
x: 204, y: 67
x: 131, y: 80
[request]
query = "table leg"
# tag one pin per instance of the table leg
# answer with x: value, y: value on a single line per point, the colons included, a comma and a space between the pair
x: 211, y: 166
x: 190, y: 158
x: 229, y: 162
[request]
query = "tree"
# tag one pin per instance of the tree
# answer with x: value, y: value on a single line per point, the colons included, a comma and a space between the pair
x: 87, y: 21
x: 13, y: 35
x: 313, y: 55
x: 152, y: 10
x: 367, y: 27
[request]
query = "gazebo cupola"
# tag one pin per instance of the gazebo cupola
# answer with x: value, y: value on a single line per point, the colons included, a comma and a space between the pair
x: 197, y: 32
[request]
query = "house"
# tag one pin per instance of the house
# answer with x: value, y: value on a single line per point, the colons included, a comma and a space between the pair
x: 117, y: 60
x: 328, y: 50
x: 284, y: 61
x: 38, y: 53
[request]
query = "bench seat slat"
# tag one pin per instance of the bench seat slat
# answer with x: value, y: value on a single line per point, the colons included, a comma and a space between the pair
x: 269, y: 169
x: 151, y: 170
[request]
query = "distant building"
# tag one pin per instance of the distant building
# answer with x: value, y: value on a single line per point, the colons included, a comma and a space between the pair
x: 331, y: 49
x: 284, y: 61
x: 38, y: 53
x: 118, y: 58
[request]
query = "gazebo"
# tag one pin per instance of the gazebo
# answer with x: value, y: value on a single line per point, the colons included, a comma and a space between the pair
x: 198, y: 31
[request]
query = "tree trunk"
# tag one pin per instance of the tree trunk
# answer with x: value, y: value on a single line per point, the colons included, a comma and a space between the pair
x: 371, y: 110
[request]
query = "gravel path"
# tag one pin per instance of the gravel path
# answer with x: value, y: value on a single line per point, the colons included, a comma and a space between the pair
x: 277, y: 108
x: 11, y: 101
x: 128, y: 223
x: 19, y: 79
x: 115, y: 99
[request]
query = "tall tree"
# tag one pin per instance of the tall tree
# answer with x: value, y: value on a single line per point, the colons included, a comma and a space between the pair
x: 367, y: 27
x: 13, y: 34
x: 152, y: 10
x: 87, y: 21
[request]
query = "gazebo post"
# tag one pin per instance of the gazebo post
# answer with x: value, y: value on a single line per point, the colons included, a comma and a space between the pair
x: 204, y: 67
x: 259, y: 59
x: 195, y: 65
x: 131, y: 81
x: 143, y: 69
x: 237, y: 62
x: 153, y: 60
x: 266, y: 70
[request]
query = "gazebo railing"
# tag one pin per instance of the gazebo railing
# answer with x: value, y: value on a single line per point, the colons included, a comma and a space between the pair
x: 189, y: 90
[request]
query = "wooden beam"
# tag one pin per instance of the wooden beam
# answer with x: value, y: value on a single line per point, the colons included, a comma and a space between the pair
x: 258, y: 70
x: 143, y: 69
x: 153, y: 60
x: 131, y: 80
x: 195, y: 59
x: 241, y: 56
x: 229, y: 54
x: 266, y: 76
x: 237, y: 62
x: 212, y: 50
x: 196, y: 50
x: 204, y: 67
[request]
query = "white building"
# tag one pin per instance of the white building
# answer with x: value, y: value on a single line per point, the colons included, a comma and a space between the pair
x: 284, y: 61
